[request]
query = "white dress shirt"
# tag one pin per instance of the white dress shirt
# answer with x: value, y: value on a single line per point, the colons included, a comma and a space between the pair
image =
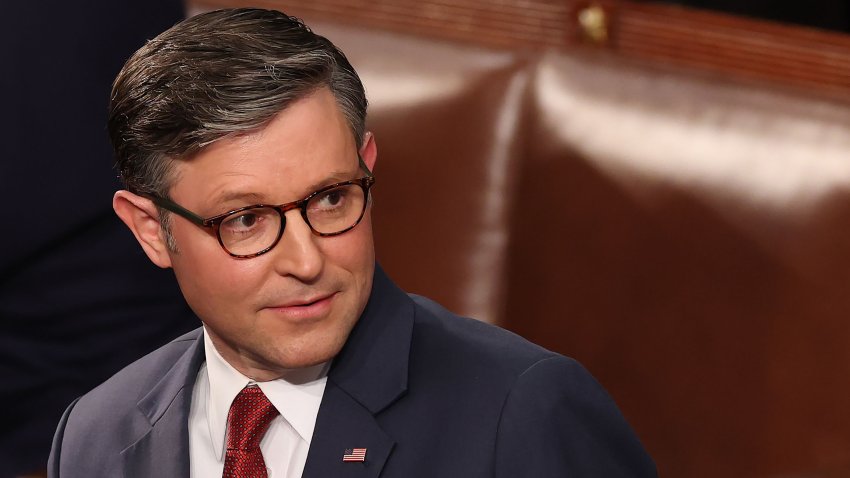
x: 296, y: 396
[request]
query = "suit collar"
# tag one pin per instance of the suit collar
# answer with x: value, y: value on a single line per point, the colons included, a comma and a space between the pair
x: 163, y: 448
x: 367, y: 376
x: 372, y: 367
x: 179, y: 378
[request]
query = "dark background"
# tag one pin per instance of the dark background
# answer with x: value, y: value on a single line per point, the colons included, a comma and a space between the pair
x: 78, y: 298
x: 825, y: 14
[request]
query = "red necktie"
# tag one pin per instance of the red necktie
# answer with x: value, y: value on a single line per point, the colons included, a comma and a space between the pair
x: 249, y: 418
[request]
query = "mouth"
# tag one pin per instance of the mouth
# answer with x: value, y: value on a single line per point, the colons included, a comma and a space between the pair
x: 304, y: 309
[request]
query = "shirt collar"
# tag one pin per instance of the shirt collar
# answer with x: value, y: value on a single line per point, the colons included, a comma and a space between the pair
x: 296, y: 396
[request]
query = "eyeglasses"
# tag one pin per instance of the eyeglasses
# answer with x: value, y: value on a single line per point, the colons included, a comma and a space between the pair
x: 251, y: 231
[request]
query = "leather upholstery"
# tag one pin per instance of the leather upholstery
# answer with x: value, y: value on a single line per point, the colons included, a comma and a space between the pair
x: 683, y: 237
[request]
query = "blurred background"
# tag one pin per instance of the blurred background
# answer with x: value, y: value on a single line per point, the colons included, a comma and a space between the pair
x: 78, y: 298
x: 657, y: 189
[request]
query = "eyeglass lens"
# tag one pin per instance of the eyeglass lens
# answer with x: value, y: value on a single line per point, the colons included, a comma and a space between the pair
x: 330, y: 212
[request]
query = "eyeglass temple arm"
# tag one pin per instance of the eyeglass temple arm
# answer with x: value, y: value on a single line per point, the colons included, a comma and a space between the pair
x: 176, y: 208
x: 363, y: 166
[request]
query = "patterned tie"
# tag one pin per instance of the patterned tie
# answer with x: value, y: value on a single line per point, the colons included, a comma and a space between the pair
x: 249, y: 418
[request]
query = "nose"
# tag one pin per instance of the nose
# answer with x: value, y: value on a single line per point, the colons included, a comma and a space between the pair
x: 298, y: 254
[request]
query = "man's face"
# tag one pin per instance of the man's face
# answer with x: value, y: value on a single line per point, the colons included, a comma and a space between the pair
x: 295, y: 305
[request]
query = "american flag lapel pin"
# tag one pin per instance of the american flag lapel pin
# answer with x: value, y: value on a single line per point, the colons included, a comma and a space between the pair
x: 354, y: 454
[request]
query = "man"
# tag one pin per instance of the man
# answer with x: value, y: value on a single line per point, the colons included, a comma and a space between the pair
x: 240, y: 137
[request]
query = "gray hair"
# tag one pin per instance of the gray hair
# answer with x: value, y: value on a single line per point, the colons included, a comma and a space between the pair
x: 218, y: 74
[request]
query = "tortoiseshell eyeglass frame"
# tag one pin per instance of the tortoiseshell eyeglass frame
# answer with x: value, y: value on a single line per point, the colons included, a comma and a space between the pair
x: 212, y: 224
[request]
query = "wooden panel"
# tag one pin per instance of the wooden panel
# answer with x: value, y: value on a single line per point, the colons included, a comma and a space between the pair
x: 528, y: 23
x: 724, y: 44
x: 670, y: 36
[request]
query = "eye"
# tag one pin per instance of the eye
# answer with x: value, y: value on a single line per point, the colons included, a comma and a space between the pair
x: 250, y: 230
x: 241, y: 222
x: 329, y: 200
x: 332, y: 198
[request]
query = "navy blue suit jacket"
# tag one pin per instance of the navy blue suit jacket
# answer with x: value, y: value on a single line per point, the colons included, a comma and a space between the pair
x: 427, y: 393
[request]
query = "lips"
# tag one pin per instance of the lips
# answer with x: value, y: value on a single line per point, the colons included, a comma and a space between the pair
x: 304, y: 302
x: 304, y: 309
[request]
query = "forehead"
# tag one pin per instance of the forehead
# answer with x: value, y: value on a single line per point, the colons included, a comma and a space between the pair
x: 304, y: 146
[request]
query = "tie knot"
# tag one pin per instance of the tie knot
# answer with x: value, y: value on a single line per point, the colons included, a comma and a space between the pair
x: 249, y: 418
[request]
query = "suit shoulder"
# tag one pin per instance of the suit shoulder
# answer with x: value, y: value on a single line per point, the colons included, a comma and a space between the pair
x: 135, y: 380
x: 471, y: 343
x: 557, y: 402
x: 541, y: 402
x: 102, y: 423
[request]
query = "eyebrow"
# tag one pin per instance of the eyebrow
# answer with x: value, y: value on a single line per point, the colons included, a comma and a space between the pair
x: 334, y: 177
x: 250, y: 198
x: 228, y: 196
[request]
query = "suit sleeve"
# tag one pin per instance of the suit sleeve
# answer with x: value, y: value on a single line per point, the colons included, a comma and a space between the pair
x: 558, y: 421
x: 56, y: 450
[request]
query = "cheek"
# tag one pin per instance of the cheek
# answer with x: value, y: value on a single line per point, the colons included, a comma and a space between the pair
x: 356, y: 257
x: 215, y: 283
x: 202, y: 261
x: 353, y: 251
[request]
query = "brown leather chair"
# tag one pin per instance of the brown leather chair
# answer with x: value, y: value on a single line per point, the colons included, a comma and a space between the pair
x: 683, y: 237
x: 445, y: 119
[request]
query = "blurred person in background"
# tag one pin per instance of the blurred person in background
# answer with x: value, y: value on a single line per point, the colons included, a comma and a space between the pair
x: 77, y: 302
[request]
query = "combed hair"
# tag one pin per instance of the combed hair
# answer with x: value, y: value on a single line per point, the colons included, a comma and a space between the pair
x: 214, y: 75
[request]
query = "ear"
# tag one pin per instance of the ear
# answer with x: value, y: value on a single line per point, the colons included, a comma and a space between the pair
x: 142, y: 217
x: 369, y: 151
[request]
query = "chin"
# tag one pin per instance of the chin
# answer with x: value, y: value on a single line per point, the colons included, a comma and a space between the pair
x: 307, y: 355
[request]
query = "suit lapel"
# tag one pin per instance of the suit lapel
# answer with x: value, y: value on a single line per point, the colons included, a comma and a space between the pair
x: 368, y: 375
x: 344, y: 424
x: 163, y: 447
